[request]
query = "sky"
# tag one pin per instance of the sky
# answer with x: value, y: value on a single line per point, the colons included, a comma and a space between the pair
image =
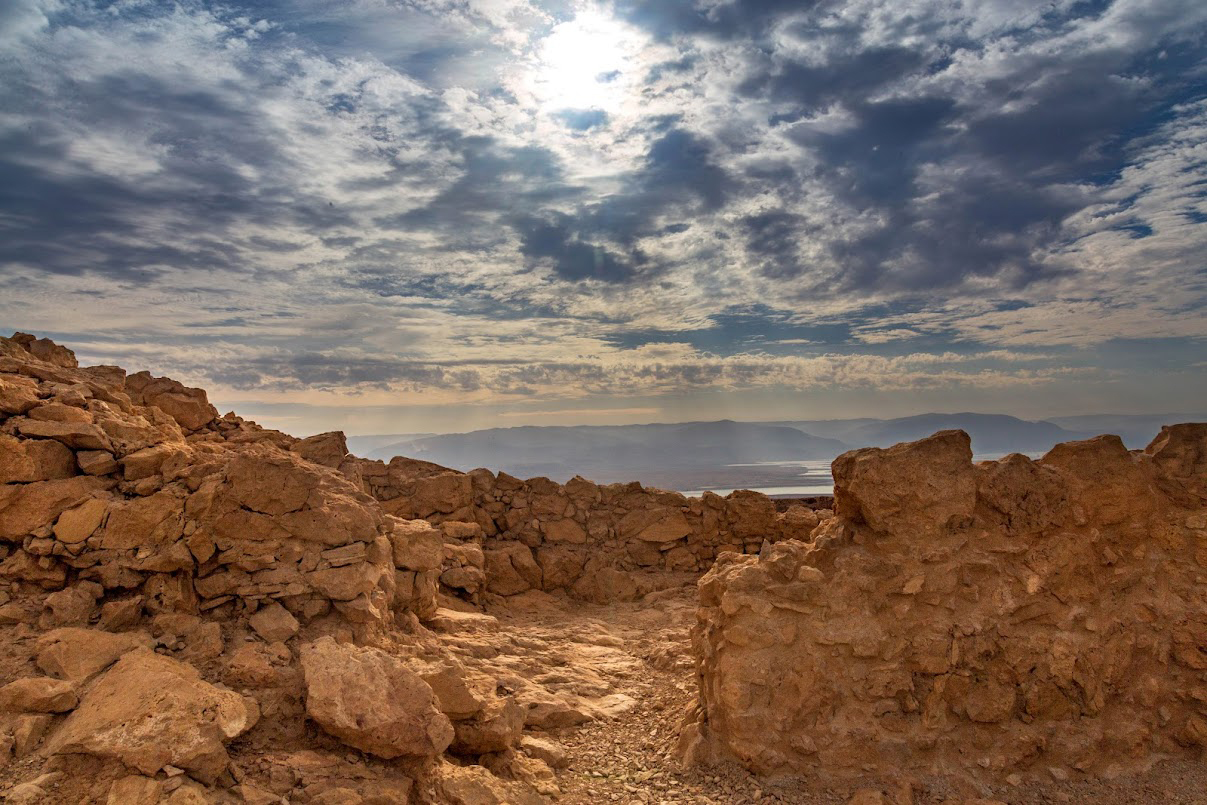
x: 401, y: 216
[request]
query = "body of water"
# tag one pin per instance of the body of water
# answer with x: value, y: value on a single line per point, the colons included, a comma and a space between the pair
x: 806, y: 478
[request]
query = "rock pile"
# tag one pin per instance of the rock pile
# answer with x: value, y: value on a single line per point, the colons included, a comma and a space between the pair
x: 1026, y: 618
x: 173, y: 582
x: 599, y: 543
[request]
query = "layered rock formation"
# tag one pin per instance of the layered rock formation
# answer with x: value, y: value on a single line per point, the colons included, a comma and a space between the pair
x: 1018, y: 617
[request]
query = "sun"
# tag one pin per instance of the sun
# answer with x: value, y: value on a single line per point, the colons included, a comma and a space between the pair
x: 586, y: 63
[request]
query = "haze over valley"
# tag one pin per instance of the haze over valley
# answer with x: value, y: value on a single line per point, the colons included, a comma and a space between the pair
x: 778, y: 458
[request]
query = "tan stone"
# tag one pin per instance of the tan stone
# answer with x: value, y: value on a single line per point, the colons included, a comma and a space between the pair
x: 151, y: 522
x: 274, y: 623
x: 57, y: 412
x: 511, y: 569
x: 328, y: 449
x: 496, y: 728
x: 78, y: 524
x: 148, y: 461
x: 566, y: 531
x: 461, y: 693
x: 38, y: 695
x: 24, y: 461
x: 17, y: 394
x: 151, y: 711
x: 925, y: 485
x: 983, y: 617
x: 24, y: 509
x: 372, y: 701
x: 546, y: 749
x: 135, y: 789
x: 474, y: 785
x: 96, y: 462
x: 417, y: 545
x: 80, y: 654
x: 76, y: 435
x: 188, y: 406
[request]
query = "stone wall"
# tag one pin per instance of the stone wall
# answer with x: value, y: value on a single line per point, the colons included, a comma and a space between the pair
x: 1039, y: 618
x: 596, y: 542
x: 136, y: 486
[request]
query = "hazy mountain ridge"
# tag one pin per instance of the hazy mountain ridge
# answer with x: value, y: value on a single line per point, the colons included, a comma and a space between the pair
x: 991, y: 433
x: 616, y: 450
x: 697, y: 454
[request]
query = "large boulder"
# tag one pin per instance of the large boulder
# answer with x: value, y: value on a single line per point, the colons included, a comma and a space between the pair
x: 24, y: 461
x: 24, y: 509
x: 188, y: 406
x: 151, y: 711
x: 920, y: 487
x: 511, y: 569
x: 372, y: 701
x: 79, y: 654
x: 329, y: 449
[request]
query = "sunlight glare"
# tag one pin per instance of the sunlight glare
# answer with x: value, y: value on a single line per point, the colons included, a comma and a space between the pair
x: 585, y: 63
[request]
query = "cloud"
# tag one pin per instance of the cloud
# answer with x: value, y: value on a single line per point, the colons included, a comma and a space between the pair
x: 290, y: 199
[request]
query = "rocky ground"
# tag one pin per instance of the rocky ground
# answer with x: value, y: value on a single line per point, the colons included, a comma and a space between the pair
x: 631, y: 758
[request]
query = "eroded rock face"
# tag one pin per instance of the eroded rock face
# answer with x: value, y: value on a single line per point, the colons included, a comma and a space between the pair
x: 150, y: 711
x: 1000, y: 617
x: 372, y: 701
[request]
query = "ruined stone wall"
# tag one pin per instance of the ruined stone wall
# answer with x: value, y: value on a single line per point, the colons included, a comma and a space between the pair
x: 597, y: 542
x: 1034, y: 618
x: 134, y: 486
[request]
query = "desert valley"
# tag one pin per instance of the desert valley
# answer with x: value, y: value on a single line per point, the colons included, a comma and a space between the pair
x: 196, y: 609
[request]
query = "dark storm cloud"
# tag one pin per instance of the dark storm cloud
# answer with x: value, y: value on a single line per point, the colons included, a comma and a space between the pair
x: 669, y: 18
x: 573, y: 259
x: 1004, y: 155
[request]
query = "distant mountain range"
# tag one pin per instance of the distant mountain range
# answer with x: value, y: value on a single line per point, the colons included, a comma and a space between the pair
x: 697, y: 455
x: 616, y: 452
x: 991, y: 433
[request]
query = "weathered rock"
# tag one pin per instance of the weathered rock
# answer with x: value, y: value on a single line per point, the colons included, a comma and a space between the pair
x: 38, y: 695
x: 151, y: 711
x: 566, y: 531
x: 78, y: 655
x: 546, y: 749
x: 24, y: 509
x: 25, y: 461
x: 925, y: 485
x: 979, y: 619
x: 372, y: 701
x: 188, y: 406
x: 496, y: 728
x: 135, y: 789
x: 510, y: 569
x: 474, y: 785
x: 328, y: 449
x: 17, y: 394
x: 72, y: 606
x: 96, y: 462
x: 76, y: 435
x: 274, y: 623
x: 78, y: 524
x: 461, y: 693
x: 417, y: 545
